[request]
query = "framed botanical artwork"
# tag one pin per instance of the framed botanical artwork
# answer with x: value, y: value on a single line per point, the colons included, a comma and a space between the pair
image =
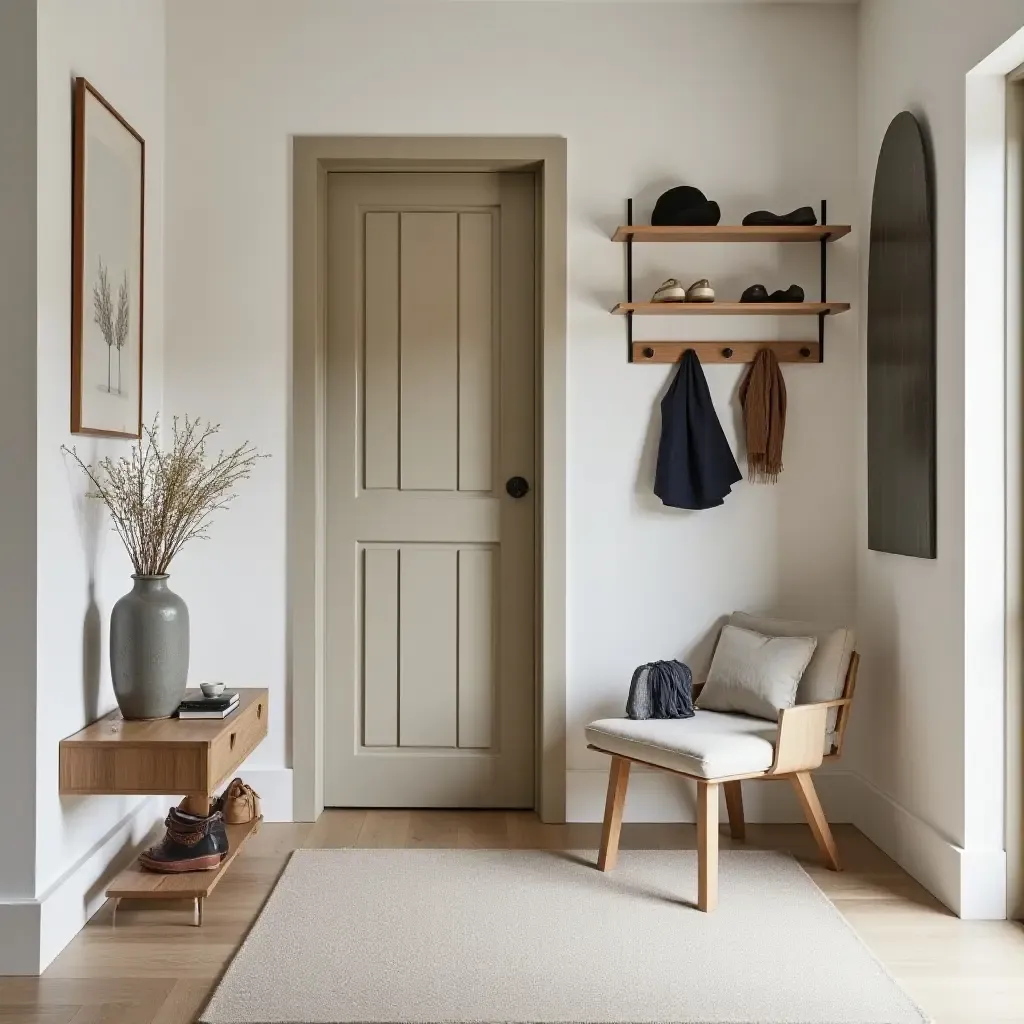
x: 108, y: 213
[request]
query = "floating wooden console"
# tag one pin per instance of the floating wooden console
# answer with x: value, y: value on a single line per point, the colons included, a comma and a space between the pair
x: 724, y: 351
x: 168, y: 756
x: 730, y: 308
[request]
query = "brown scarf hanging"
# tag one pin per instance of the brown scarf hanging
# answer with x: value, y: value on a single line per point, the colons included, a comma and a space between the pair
x: 763, y: 398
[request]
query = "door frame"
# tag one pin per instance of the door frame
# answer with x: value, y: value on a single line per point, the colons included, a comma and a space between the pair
x: 313, y: 158
x: 1014, y: 794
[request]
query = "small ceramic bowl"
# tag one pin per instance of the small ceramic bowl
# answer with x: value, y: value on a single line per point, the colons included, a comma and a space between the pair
x: 211, y: 689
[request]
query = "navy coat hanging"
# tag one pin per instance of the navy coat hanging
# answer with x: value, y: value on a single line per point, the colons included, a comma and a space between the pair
x: 696, y: 467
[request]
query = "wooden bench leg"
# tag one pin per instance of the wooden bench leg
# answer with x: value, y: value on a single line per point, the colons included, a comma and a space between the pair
x: 734, y: 805
x: 707, y: 846
x: 808, y: 797
x: 618, y: 779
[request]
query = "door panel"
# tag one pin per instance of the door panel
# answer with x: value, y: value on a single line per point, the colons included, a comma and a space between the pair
x: 430, y: 564
x: 380, y: 651
x: 476, y: 349
x: 381, y: 351
x: 428, y: 645
x: 429, y: 351
x: 476, y: 647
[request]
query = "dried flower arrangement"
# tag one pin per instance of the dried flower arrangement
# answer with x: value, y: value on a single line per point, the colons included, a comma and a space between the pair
x: 159, y: 500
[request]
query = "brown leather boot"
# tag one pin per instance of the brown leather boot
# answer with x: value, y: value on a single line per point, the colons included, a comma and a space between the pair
x: 192, y: 843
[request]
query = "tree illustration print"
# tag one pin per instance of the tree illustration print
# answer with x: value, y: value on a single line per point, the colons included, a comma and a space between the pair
x: 103, y: 314
x: 113, y: 326
x: 121, y: 325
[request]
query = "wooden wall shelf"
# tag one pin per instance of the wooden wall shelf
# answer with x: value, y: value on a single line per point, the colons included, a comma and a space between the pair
x: 728, y: 351
x: 729, y: 233
x: 730, y: 308
x: 724, y: 351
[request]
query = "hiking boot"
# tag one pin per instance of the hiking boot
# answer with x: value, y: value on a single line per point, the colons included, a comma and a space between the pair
x: 192, y: 843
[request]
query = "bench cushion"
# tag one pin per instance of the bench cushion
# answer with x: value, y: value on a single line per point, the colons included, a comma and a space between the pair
x: 711, y: 745
x: 754, y: 674
x: 825, y: 675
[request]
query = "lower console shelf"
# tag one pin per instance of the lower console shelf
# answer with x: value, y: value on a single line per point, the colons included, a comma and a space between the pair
x: 136, y: 883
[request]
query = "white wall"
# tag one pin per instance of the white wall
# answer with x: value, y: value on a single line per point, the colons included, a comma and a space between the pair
x: 928, y: 734
x: 79, y: 567
x: 755, y: 104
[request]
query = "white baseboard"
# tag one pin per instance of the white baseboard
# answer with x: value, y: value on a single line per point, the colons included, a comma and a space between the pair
x: 972, y: 883
x: 274, y: 786
x: 19, y: 937
x: 34, y: 931
x: 655, y: 796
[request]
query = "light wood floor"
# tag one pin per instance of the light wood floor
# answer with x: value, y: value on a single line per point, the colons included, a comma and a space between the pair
x: 155, y: 968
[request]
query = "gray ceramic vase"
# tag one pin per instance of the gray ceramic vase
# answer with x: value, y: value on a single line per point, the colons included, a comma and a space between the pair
x: 149, y: 649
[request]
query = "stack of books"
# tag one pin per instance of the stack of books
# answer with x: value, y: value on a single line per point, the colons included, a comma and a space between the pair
x: 195, y: 705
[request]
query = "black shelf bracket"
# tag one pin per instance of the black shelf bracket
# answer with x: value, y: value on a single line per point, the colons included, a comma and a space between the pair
x: 823, y: 244
x: 629, y: 279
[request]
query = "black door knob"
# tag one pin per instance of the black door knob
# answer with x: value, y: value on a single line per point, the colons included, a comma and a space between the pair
x: 517, y: 487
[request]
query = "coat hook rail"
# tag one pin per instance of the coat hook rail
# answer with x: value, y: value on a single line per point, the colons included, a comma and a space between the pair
x: 724, y: 351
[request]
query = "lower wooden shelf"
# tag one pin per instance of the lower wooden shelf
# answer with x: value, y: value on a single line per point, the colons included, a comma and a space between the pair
x: 730, y: 308
x: 135, y: 883
x: 724, y: 351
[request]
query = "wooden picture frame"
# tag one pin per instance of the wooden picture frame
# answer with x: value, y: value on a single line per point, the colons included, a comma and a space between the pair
x: 108, y: 236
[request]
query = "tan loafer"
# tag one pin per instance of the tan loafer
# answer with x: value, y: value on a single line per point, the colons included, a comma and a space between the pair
x: 700, y: 291
x: 670, y: 291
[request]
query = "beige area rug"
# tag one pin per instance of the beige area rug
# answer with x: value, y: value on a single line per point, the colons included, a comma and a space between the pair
x: 496, y: 937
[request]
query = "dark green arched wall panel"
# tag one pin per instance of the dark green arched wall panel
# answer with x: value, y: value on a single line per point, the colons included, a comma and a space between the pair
x: 901, y: 347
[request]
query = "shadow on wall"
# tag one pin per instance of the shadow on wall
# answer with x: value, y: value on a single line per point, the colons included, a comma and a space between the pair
x: 879, y: 632
x: 91, y: 518
x: 92, y: 650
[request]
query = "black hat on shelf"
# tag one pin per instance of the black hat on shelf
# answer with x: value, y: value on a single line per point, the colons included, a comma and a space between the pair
x: 686, y: 206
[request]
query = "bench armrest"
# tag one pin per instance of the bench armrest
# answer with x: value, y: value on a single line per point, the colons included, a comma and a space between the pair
x: 802, y: 729
x: 801, y: 742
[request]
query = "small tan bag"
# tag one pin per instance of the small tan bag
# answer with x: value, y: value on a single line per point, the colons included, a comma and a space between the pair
x: 239, y: 803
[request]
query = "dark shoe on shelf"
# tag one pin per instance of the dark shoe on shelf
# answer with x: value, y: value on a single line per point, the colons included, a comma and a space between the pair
x: 794, y: 293
x: 755, y: 293
x: 192, y: 843
x: 804, y: 217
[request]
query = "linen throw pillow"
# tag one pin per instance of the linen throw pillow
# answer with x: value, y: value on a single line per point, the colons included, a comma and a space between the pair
x: 753, y: 674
